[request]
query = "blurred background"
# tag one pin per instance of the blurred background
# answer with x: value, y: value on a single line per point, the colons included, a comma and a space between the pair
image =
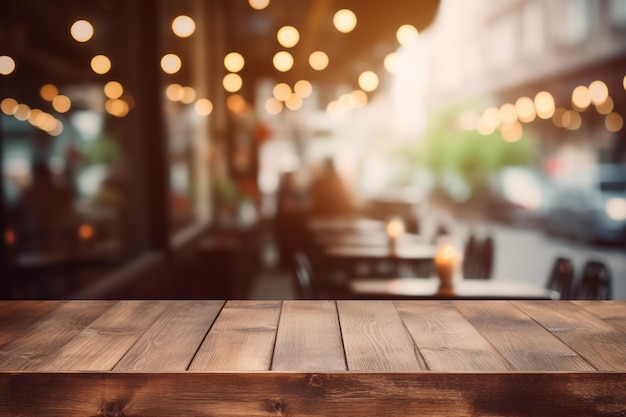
x: 170, y: 149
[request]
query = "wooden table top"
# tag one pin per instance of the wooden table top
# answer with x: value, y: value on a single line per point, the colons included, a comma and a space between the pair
x: 319, y: 357
x: 468, y: 289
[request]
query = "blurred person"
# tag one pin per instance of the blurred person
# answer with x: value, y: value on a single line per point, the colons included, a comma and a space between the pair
x: 330, y: 195
x: 44, y: 211
x: 291, y: 211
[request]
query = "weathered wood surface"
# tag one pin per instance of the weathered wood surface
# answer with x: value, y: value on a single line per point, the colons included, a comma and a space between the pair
x: 312, y: 358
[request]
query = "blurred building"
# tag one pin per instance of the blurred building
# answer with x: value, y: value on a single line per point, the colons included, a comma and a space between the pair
x: 573, y: 52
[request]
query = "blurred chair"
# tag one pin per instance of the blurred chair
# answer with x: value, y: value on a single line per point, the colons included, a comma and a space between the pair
x: 303, y: 277
x: 595, y: 283
x: 562, y: 278
x: 478, y: 257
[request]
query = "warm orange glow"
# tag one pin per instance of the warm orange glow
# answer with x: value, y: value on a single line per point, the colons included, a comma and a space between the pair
x: 85, y: 231
x: 281, y: 91
x: 113, y: 89
x: 581, y: 98
x: 234, y: 62
x: 394, y: 228
x: 189, y: 95
x: 9, y: 106
x: 283, y: 61
x: 333, y: 109
x: 117, y: 107
x: 288, y: 36
x: 171, y: 63
x: 525, y: 109
x: 544, y: 105
x: 508, y: 113
x: 614, y: 122
x: 175, y: 92
x: 48, y: 92
x: 447, y: 255
x: 368, y: 81
x: 303, y: 88
x: 293, y: 102
x: 345, y: 20
x: 203, y: 107
x: 236, y: 104
x: 232, y: 82
x: 491, y: 117
x: 468, y: 119
x: 606, y: 106
x: 183, y: 26
x: 9, y: 237
x: 360, y: 97
x: 273, y: 106
x: 259, y: 4
x: 100, y: 64
x: 407, y: 34
x: 511, y: 132
x: 598, y: 91
x: 57, y: 129
x: 61, y: 103
x: 318, y: 60
x: 572, y: 120
x: 22, y: 111
x: 7, y: 65
x: 484, y: 128
x: 559, y: 118
x: 81, y: 30
x: 391, y: 63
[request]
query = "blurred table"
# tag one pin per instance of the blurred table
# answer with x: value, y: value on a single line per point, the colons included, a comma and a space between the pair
x: 372, y: 238
x: 428, y: 288
x: 342, y: 224
x: 312, y: 358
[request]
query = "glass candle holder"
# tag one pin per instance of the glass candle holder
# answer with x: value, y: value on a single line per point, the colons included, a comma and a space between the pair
x: 448, y: 260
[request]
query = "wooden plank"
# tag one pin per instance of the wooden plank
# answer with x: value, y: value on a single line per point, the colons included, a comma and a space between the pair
x: 446, y: 340
x: 172, y: 341
x: 524, y: 343
x: 600, y: 344
x: 17, y: 316
x: 610, y: 311
x: 308, y: 338
x: 304, y: 394
x: 49, y: 334
x: 103, y: 343
x: 375, y: 338
x: 241, y: 339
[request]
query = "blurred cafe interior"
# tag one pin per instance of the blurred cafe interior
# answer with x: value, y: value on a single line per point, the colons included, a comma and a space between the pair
x: 236, y: 149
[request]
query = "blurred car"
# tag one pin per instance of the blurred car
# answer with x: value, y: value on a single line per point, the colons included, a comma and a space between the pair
x: 518, y: 195
x: 590, y: 204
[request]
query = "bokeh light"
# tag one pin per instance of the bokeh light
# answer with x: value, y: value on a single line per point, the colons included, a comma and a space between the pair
x: 175, y: 92
x: 81, y: 31
x: 281, y: 91
x: 7, y: 65
x: 318, y: 60
x: 9, y: 106
x: 100, y: 64
x: 294, y: 102
x: 345, y: 20
x: 232, y: 82
x: 303, y: 88
x: 511, y: 132
x: 407, y: 34
x: 598, y: 91
x: 61, y: 103
x: 508, y: 113
x: 189, y: 95
x: 234, y: 62
x: 171, y: 63
x: 614, y: 122
x: 288, y: 36
x: 203, y: 107
x: 273, y: 106
x: 606, y: 106
x: 368, y: 81
x: 259, y: 4
x: 581, y: 99
x: 544, y: 104
x: 183, y: 26
x: 48, y: 92
x: 283, y: 61
x: 391, y: 63
x: 113, y: 89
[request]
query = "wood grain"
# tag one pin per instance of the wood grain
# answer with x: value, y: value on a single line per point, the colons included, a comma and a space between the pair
x: 171, y: 342
x: 611, y: 312
x: 36, y: 343
x: 318, y: 394
x: 375, y: 338
x: 523, y: 342
x: 241, y: 339
x: 17, y: 316
x: 105, y: 341
x: 446, y: 340
x: 596, y: 341
x: 309, y: 338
